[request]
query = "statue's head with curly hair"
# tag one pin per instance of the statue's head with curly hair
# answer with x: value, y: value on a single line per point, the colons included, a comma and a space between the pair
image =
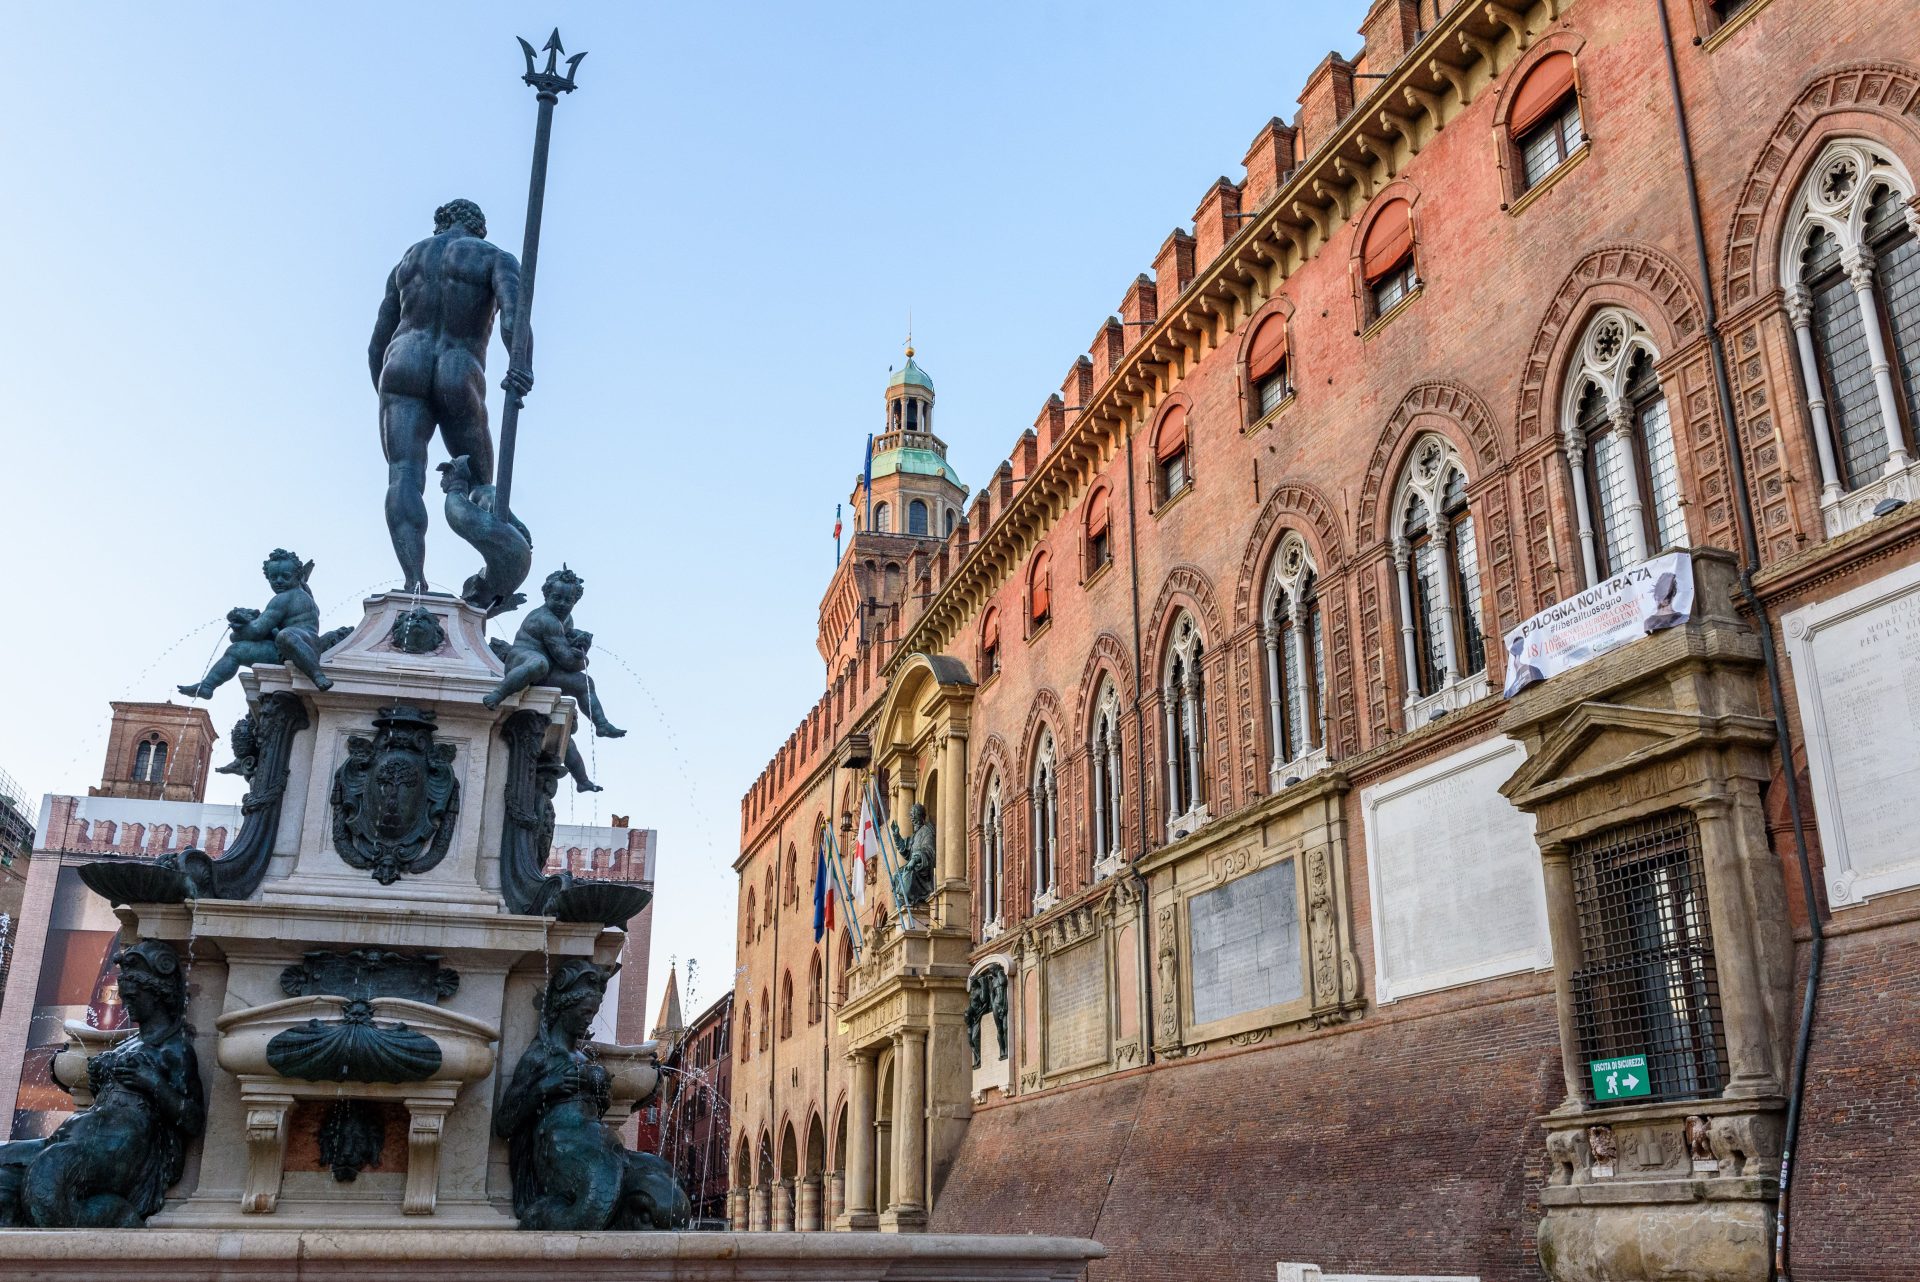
x: 562, y: 589
x: 284, y: 569
x: 152, y: 981
x: 573, y: 996
x: 463, y: 213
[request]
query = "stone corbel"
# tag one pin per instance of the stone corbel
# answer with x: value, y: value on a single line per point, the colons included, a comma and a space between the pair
x: 1428, y: 102
x: 1459, y: 79
x: 1402, y: 127
x: 266, y: 1152
x: 1470, y: 43
x: 425, y: 1122
x: 1512, y: 19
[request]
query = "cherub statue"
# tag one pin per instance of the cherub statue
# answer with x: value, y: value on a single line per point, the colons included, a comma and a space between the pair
x: 286, y: 631
x: 913, y: 880
x: 548, y: 650
x: 570, y: 1173
x: 110, y: 1166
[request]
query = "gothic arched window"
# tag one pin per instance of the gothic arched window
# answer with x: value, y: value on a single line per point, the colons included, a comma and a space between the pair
x: 993, y: 856
x: 1044, y: 795
x: 1103, y: 762
x: 1185, y: 707
x: 1296, y: 662
x: 1619, y: 441
x: 1852, y: 270
x: 1438, y: 563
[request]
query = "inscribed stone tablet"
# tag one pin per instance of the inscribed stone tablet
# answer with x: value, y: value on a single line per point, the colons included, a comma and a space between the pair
x: 1076, y: 1006
x: 1856, y: 662
x: 1245, y: 940
x: 1457, y: 890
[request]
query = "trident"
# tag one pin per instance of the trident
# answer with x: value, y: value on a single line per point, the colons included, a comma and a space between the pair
x: 548, y: 85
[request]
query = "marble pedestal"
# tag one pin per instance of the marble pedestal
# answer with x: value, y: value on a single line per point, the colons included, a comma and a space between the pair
x: 440, y: 1164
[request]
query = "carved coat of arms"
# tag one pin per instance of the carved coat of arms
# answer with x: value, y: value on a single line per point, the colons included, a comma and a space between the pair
x: 395, y: 797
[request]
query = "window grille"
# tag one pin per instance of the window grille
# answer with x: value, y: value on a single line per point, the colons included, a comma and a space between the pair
x: 1391, y: 288
x: 1273, y: 390
x: 1548, y: 145
x: 1645, y: 983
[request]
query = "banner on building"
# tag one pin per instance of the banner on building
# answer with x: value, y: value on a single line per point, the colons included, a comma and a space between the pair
x: 1643, y: 598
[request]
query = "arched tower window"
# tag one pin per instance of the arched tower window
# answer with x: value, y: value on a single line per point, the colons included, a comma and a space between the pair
x: 1268, y: 375
x: 917, y: 514
x: 1545, y: 120
x: 1296, y: 660
x: 883, y: 518
x: 1103, y: 760
x: 1044, y: 796
x: 1619, y: 442
x: 766, y: 1020
x: 1852, y: 269
x: 1184, y: 697
x: 1438, y: 562
x: 150, y: 760
x: 786, y: 1005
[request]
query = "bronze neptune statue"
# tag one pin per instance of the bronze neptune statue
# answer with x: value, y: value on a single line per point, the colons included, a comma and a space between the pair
x: 428, y: 357
x: 111, y: 1165
x: 569, y: 1171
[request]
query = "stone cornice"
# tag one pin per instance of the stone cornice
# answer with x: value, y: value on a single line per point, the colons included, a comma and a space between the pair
x: 1430, y: 86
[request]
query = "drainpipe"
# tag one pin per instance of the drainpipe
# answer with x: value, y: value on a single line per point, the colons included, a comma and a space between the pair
x: 1749, y: 561
x: 1140, y: 759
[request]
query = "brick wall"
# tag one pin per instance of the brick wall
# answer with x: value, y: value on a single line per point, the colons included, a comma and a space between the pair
x: 1404, y: 1146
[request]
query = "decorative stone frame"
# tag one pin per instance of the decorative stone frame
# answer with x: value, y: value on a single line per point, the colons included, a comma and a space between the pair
x: 1304, y: 824
x: 1672, y: 721
x: 1111, y: 920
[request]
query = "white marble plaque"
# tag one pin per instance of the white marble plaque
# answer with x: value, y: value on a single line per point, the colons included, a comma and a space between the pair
x: 1245, y: 941
x: 1856, y: 672
x: 1455, y: 875
x: 1076, y: 1007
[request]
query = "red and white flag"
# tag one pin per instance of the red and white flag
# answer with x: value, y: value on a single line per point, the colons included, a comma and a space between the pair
x: 866, y: 847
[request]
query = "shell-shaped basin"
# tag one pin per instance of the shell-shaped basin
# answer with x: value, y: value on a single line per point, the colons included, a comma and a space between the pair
x: 465, y: 1044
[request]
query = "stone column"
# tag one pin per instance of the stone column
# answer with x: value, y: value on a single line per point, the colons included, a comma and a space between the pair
x: 860, y: 1213
x: 836, y: 1198
x: 1402, y: 555
x: 952, y: 819
x: 1636, y: 507
x: 1276, y: 708
x: 1800, y: 312
x: 1736, y: 961
x: 757, y: 1209
x: 737, y: 1210
x: 807, y: 1214
x: 1443, y: 589
x: 1190, y: 701
x: 1172, y: 699
x: 1859, y: 269
x: 910, y: 1136
x: 1563, y: 928
x: 1576, y: 446
x: 1303, y: 672
x: 782, y: 1194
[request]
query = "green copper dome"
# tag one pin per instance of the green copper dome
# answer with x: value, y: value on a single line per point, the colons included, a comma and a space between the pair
x: 914, y: 462
x: 911, y: 375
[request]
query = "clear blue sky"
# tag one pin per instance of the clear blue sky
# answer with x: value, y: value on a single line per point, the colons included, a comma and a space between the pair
x: 201, y: 203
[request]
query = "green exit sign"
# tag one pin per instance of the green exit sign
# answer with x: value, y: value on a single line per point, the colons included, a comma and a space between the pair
x: 1621, y: 1078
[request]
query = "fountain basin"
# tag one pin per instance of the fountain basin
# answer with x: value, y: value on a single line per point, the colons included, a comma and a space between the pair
x: 633, y: 1073
x: 253, y: 1041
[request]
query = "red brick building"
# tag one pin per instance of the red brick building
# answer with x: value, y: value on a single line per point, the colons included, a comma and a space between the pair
x: 693, y: 1106
x: 1314, y: 945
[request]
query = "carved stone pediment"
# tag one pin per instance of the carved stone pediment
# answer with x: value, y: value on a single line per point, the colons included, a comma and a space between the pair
x: 1598, y: 740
